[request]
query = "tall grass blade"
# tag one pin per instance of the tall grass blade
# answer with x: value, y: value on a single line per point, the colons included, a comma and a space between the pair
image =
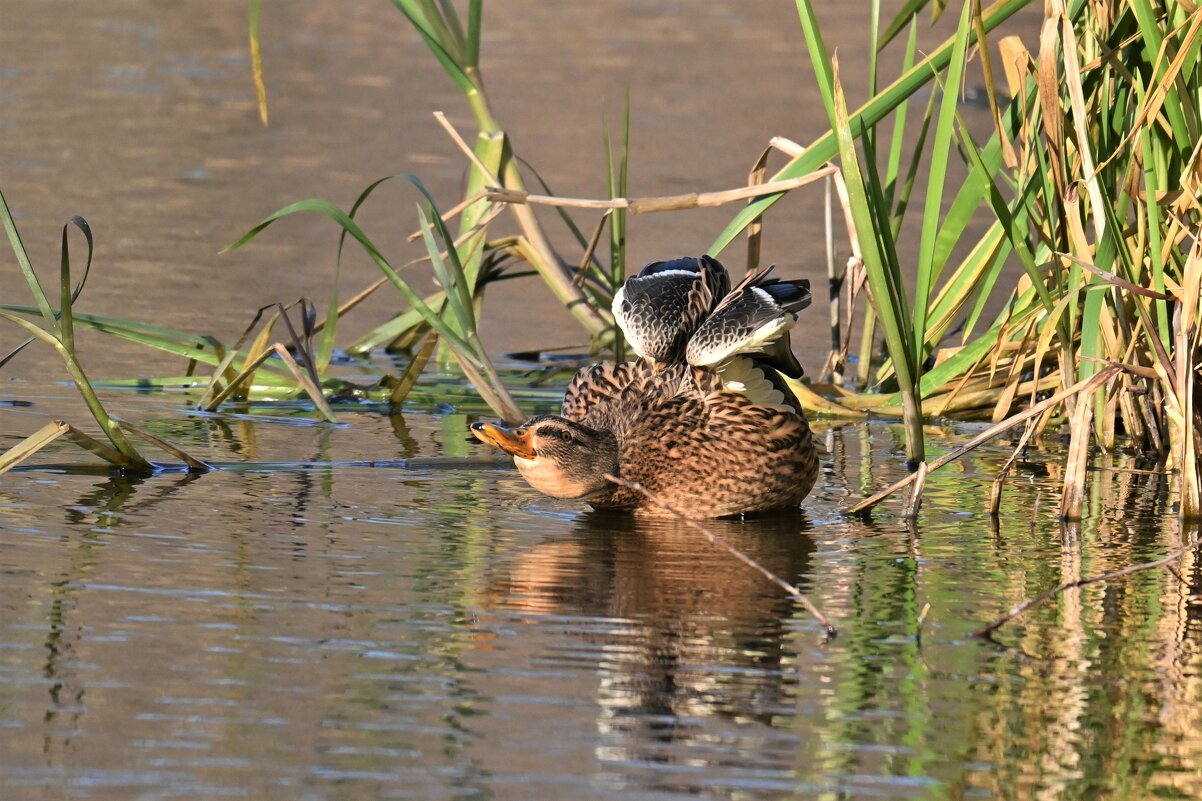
x: 408, y: 380
x: 886, y: 287
x: 433, y: 32
x: 256, y: 59
x: 31, y: 278
x: 825, y: 147
x: 429, y: 315
x: 101, y: 449
x: 194, y: 465
x: 66, y: 294
x: 927, y: 269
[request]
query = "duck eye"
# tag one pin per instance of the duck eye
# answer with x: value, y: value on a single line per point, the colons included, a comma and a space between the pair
x: 557, y: 433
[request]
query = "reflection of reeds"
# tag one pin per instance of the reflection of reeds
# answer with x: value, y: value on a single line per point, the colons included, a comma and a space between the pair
x: 1078, y: 582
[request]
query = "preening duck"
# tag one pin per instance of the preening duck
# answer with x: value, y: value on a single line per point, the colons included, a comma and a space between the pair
x: 702, y: 419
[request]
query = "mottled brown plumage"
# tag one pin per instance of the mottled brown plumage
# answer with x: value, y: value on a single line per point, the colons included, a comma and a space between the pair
x: 706, y: 450
x: 711, y: 441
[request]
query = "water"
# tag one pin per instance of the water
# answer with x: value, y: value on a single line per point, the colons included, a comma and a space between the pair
x: 441, y: 631
x: 298, y: 625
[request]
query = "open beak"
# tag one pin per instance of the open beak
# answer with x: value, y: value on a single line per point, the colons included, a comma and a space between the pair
x: 519, y: 441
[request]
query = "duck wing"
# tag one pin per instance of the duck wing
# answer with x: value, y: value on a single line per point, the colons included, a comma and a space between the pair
x: 753, y: 318
x: 661, y: 307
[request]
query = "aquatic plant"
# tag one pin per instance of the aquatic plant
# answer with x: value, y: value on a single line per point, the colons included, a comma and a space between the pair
x: 1087, y: 188
x: 1098, y: 137
x: 455, y: 318
x: 1090, y: 184
x: 57, y: 330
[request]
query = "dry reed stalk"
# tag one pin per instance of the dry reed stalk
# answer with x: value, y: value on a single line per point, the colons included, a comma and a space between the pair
x: 755, y: 229
x: 647, y: 205
x: 914, y: 503
x: 32, y: 444
x: 591, y: 248
x: 995, y: 495
x: 1072, y: 497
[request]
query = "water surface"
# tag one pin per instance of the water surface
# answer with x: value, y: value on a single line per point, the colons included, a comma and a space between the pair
x: 439, y: 630
x: 298, y: 625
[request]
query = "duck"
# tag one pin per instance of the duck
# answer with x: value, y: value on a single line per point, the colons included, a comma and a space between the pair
x: 702, y: 419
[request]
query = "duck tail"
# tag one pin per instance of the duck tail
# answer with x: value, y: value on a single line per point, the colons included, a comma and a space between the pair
x: 753, y: 318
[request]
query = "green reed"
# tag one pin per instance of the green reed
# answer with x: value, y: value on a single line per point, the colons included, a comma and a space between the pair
x: 57, y: 329
x: 1088, y: 185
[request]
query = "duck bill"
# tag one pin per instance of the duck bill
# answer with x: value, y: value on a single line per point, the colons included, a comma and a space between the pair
x: 518, y: 441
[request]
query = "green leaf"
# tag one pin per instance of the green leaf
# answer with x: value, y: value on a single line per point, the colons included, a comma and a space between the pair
x: 351, y: 227
x: 928, y: 269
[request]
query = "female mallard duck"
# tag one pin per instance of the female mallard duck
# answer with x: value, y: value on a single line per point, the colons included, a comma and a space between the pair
x: 703, y: 420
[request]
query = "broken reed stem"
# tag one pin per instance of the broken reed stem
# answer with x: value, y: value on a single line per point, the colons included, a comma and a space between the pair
x: 713, y: 539
x: 917, y: 486
x: 995, y: 496
x: 1030, y: 603
x: 471, y: 154
x: 647, y: 205
x: 32, y: 444
x: 922, y: 618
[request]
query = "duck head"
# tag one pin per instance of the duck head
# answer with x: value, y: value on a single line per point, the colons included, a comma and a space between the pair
x: 556, y: 456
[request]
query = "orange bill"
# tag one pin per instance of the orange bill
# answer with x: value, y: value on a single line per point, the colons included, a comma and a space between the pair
x: 519, y: 441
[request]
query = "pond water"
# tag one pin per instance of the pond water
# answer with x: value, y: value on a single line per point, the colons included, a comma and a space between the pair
x: 430, y: 627
x: 382, y: 609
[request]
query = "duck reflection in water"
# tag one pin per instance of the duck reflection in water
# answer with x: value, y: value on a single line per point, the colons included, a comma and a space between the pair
x: 688, y: 632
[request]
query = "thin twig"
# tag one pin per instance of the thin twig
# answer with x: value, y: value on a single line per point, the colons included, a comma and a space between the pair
x: 1019, y: 609
x: 831, y: 631
x: 582, y: 270
x: 668, y: 203
x: 471, y: 154
x: 995, y: 498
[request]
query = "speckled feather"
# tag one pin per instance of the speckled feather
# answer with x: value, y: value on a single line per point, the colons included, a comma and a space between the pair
x: 660, y: 308
x: 759, y: 308
x: 706, y: 450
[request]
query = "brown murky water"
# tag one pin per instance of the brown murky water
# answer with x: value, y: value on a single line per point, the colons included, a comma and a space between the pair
x: 300, y: 625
